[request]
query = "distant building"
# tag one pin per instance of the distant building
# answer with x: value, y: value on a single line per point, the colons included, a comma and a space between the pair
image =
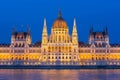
x: 60, y: 48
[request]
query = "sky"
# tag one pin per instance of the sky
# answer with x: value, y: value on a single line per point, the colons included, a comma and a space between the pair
x: 96, y: 13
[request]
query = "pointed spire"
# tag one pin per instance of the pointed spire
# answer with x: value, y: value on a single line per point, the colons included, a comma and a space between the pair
x: 74, y: 33
x: 45, y: 27
x: 44, y: 34
x: 74, y: 27
x: 59, y: 14
x: 106, y: 30
x: 74, y: 22
x: 91, y: 30
x: 44, y: 21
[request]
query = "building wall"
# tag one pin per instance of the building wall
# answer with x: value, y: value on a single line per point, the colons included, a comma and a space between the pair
x: 59, y: 48
x: 99, y: 56
x: 19, y: 56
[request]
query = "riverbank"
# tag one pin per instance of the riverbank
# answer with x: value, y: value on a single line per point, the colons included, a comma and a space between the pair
x: 58, y: 67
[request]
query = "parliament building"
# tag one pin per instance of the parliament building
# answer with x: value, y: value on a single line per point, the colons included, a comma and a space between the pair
x: 60, y: 48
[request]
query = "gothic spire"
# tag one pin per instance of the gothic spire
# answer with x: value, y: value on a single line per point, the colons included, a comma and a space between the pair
x: 44, y: 34
x: 74, y: 26
x: 45, y: 27
x: 45, y: 22
x: 91, y: 30
x: 106, y: 30
x: 74, y: 22
x: 74, y: 33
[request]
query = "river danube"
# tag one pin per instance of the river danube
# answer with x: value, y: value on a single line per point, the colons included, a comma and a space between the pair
x: 37, y: 74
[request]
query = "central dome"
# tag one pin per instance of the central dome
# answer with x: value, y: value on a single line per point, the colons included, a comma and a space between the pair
x: 59, y: 22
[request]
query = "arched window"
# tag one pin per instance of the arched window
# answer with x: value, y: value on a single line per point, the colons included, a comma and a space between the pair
x: 66, y: 57
x: 52, y: 57
x: 20, y: 45
x: 44, y: 50
x: 59, y: 38
x: 23, y: 45
x: 74, y: 50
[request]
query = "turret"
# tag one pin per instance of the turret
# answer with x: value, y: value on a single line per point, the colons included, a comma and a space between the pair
x: 75, y: 41
x: 99, y: 39
x: 44, y: 34
x: 91, y: 35
x: 106, y: 30
x: 91, y: 30
x: 106, y: 36
x: 74, y: 34
x: 13, y: 35
x: 29, y: 39
x: 21, y: 39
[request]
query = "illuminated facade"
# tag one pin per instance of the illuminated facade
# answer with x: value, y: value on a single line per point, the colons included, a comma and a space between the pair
x: 60, y: 48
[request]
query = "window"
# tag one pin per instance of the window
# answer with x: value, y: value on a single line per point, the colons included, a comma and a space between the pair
x: 44, y: 57
x: 66, y: 57
x: 52, y: 57
x: 74, y: 50
x: 48, y: 57
x: 44, y: 50
x: 74, y: 57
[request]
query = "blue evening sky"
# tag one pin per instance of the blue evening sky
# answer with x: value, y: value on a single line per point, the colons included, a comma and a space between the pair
x: 20, y: 13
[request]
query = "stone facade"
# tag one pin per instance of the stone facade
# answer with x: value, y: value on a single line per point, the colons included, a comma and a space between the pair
x: 60, y: 48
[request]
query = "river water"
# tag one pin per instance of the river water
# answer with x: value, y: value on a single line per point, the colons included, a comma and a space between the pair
x: 37, y: 74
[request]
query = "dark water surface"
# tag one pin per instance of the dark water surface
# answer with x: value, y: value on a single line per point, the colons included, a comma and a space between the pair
x: 37, y: 74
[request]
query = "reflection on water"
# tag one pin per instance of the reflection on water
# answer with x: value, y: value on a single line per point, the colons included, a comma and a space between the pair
x: 59, y: 74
